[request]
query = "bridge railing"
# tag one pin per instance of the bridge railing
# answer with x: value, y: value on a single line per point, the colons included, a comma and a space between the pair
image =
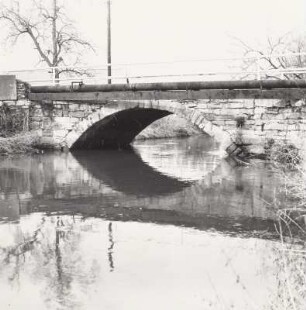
x: 282, y: 66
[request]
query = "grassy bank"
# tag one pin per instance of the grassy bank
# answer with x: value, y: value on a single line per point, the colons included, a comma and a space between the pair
x: 19, y: 143
x: 290, y: 165
x: 168, y: 127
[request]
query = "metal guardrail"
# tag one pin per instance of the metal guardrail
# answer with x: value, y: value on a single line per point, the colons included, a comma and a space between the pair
x: 176, y: 71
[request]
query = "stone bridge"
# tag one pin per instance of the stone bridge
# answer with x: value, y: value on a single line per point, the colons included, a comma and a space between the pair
x: 239, y: 114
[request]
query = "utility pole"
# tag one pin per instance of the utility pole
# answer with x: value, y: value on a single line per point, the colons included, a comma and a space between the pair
x: 109, y: 46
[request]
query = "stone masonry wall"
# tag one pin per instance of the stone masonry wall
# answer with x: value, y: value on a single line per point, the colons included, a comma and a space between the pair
x: 259, y: 121
x: 54, y: 119
x: 251, y: 122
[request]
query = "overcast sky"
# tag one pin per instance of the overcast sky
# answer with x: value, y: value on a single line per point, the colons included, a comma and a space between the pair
x: 162, y: 30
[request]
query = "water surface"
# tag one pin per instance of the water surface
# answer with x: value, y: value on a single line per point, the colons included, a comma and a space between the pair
x: 167, y: 225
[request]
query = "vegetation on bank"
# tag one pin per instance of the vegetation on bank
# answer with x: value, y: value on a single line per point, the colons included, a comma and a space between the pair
x: 13, y: 121
x: 20, y: 143
x: 168, y: 127
x: 290, y: 164
x: 15, y: 137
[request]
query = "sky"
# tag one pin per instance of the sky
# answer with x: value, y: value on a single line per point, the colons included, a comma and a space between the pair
x: 169, y: 30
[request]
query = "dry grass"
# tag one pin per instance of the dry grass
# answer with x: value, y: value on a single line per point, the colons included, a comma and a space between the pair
x: 289, y: 164
x: 20, y: 143
x: 285, y: 156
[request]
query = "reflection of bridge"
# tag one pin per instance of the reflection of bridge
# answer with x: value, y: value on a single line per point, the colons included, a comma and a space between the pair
x: 94, y: 189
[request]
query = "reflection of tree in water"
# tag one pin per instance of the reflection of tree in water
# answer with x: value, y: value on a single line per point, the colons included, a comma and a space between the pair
x: 51, y: 256
x: 111, y: 246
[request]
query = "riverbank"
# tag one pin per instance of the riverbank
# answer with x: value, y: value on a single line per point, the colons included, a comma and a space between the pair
x: 170, y: 126
x: 27, y: 142
x: 290, y: 165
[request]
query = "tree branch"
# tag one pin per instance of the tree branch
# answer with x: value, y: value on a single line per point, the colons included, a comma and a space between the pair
x: 51, y: 32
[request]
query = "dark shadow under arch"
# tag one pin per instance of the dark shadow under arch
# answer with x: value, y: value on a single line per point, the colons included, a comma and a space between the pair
x: 119, y: 129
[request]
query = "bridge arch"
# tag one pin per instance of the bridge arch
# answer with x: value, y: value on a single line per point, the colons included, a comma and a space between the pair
x: 117, y: 123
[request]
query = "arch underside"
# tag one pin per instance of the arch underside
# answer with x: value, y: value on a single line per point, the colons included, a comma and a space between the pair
x: 118, y: 130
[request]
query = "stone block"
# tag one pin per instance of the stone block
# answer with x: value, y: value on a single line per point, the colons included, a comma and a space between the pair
x: 71, y: 138
x: 203, y: 123
x: 73, y: 106
x: 226, y: 111
x: 35, y: 125
x: 37, y: 112
x: 81, y: 126
x: 201, y: 105
x: 23, y: 102
x: 259, y: 110
x: 248, y: 104
x: 266, y: 102
x: 9, y: 103
x: 83, y: 107
x: 205, y: 111
x: 47, y: 122
x: 60, y: 103
x: 59, y: 133
x: 275, y: 126
x: 209, y: 128
x: 65, y: 122
x: 199, y: 120
x: 235, y: 105
x: 195, y: 115
x: 270, y: 117
x: 230, y: 123
x: 294, y: 115
x: 219, y: 122
x: 58, y: 113
x: 78, y: 114
x: 94, y: 118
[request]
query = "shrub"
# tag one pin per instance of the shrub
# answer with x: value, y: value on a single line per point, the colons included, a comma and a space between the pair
x: 12, y: 121
x: 284, y: 155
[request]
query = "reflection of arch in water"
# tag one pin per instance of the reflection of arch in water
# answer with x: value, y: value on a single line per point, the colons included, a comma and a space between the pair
x: 191, y: 158
x: 125, y: 172
x: 210, y: 203
x: 226, y: 191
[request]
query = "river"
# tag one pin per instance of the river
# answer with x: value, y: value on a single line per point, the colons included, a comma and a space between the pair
x: 168, y: 224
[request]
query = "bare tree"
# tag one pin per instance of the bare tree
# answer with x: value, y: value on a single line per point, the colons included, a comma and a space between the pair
x: 286, y: 53
x: 48, y: 27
